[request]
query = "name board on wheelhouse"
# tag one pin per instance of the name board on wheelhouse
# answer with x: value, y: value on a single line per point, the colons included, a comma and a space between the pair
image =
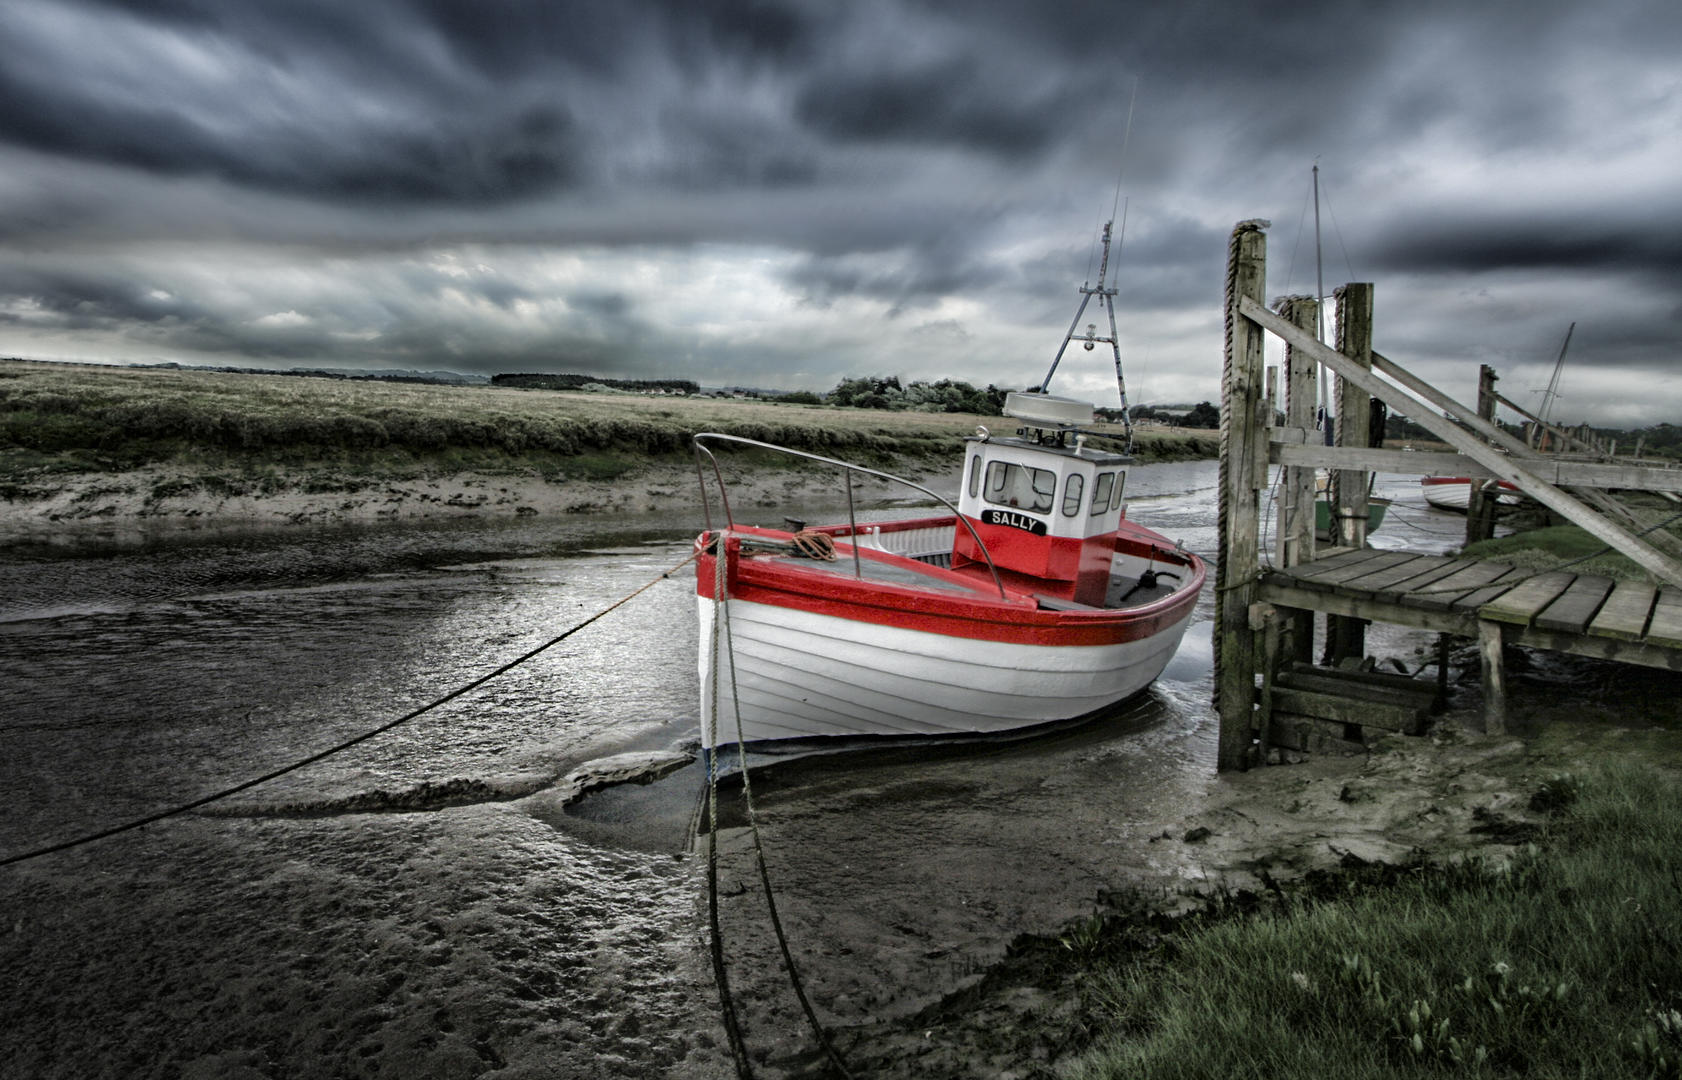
x: 1014, y: 520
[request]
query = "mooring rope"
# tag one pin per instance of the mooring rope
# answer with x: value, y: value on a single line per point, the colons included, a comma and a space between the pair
x: 173, y: 811
x: 727, y: 1005
x: 721, y: 635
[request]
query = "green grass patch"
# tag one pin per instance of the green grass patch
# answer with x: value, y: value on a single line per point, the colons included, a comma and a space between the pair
x: 1567, y: 961
x: 1557, y: 545
x: 600, y: 467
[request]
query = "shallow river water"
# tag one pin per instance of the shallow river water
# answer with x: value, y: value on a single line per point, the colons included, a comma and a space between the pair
x: 423, y: 905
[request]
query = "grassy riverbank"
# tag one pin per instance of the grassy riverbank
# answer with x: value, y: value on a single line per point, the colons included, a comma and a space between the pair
x: 1565, y: 961
x: 1544, y: 944
x: 1539, y: 546
x: 117, y: 444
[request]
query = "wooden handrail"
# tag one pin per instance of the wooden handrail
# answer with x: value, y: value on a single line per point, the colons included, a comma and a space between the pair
x: 1515, y: 466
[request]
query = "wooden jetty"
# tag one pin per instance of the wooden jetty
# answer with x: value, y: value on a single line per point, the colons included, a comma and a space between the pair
x: 1268, y: 690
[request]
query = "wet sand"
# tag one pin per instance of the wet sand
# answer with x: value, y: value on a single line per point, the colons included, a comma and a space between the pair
x: 165, y: 500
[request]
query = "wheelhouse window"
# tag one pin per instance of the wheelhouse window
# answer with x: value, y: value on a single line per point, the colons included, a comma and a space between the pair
x: 975, y: 475
x: 1020, y: 487
x: 1073, y: 489
x: 1101, y: 492
x: 1120, y: 483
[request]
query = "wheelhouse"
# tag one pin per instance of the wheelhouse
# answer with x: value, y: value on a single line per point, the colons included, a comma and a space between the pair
x: 1043, y: 503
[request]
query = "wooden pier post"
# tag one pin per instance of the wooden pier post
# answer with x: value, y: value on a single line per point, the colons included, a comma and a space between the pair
x: 1243, y: 477
x: 1480, y: 506
x: 1297, y: 488
x: 1346, y: 636
x: 1493, y: 677
x: 1354, y: 411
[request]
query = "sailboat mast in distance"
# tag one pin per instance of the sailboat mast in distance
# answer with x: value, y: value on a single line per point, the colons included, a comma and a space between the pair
x: 1320, y: 315
x: 1551, y: 394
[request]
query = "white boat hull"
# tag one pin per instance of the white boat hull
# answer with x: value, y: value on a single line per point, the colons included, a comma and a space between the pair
x: 1455, y: 493
x: 799, y: 674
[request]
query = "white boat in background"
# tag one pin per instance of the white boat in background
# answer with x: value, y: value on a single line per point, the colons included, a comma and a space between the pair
x: 1455, y: 492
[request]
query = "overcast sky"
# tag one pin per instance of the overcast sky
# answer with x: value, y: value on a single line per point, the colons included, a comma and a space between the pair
x: 787, y: 192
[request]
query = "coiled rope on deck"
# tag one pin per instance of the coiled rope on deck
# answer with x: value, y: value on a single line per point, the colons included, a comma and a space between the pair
x: 721, y: 636
x: 173, y: 811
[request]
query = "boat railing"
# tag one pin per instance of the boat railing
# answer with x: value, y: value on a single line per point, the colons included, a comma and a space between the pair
x: 848, y: 470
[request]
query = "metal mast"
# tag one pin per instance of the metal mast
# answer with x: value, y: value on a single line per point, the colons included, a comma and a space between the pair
x: 1551, y: 394
x: 1323, y: 376
x: 1091, y: 339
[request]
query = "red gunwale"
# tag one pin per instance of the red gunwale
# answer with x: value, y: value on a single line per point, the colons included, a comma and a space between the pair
x: 976, y: 613
x: 1431, y: 481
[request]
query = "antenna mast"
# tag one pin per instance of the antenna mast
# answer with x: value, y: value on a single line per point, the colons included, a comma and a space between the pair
x: 1106, y: 295
x: 1091, y: 339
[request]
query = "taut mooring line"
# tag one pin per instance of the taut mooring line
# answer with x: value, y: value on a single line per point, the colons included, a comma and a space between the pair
x: 721, y: 639
x: 141, y: 822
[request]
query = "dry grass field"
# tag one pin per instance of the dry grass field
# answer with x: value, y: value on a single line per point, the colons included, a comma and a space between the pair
x: 66, y: 417
x: 110, y: 445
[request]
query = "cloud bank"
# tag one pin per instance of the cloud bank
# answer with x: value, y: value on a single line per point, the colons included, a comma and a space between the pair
x: 783, y: 193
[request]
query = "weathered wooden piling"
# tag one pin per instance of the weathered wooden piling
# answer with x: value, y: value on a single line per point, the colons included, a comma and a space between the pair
x: 1298, y: 489
x: 1481, y: 504
x: 1243, y: 476
x: 1346, y: 637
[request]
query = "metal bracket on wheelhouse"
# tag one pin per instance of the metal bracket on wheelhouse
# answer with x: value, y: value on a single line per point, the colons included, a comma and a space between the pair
x: 848, y: 470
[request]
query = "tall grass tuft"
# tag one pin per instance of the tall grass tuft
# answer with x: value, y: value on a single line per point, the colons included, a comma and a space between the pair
x: 1567, y: 961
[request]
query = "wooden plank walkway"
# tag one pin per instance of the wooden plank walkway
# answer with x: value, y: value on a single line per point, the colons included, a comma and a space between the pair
x: 1493, y: 603
x: 1585, y: 614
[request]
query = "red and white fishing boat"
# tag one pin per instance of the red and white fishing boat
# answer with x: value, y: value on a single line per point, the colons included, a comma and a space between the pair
x: 1455, y: 492
x: 1033, y: 601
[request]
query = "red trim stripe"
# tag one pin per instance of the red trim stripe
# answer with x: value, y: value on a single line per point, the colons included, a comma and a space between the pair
x: 970, y: 609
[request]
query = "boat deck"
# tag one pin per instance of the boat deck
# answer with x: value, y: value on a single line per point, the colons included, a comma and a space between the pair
x: 905, y: 570
x: 1125, y: 590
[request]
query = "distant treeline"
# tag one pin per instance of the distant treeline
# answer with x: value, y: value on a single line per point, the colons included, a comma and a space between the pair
x: 886, y: 392
x: 578, y: 382
x: 1202, y: 415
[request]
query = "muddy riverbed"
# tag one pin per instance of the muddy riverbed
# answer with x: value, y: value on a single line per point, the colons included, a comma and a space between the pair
x: 431, y: 904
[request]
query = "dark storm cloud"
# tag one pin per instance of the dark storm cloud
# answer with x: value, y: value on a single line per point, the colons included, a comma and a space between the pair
x: 419, y: 144
x: 1490, y: 243
x: 80, y: 300
x: 949, y: 102
x: 425, y: 102
x: 916, y: 277
x: 864, y: 161
x: 461, y: 162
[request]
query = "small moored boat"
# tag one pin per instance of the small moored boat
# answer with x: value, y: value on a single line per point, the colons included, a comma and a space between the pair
x: 1455, y: 492
x: 1032, y: 600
